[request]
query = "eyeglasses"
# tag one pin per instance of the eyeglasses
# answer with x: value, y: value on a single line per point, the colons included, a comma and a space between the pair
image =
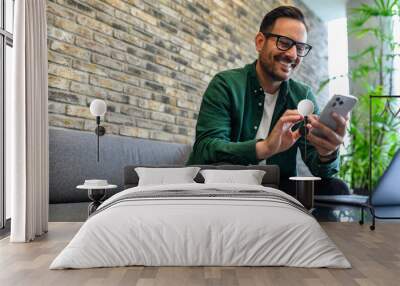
x: 284, y: 43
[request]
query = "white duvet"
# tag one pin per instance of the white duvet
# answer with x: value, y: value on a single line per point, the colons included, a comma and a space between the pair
x: 200, y: 231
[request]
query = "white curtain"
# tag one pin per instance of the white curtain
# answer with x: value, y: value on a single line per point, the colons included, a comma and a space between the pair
x: 27, y: 124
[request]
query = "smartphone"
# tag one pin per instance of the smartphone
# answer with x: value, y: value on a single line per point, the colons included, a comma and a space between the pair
x: 341, y: 104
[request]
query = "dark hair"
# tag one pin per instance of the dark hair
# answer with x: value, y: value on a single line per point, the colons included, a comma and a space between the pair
x: 281, y: 12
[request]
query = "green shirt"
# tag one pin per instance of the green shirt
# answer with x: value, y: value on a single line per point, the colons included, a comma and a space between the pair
x: 229, y: 117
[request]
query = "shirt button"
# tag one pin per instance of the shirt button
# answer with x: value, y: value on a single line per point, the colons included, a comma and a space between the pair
x: 255, y: 91
x: 255, y: 127
x: 260, y: 88
x: 259, y: 104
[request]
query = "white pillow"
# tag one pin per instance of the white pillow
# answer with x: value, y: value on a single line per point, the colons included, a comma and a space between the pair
x: 165, y: 176
x: 248, y: 177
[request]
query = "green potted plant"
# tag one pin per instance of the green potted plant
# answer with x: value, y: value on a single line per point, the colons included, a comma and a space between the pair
x: 372, y: 73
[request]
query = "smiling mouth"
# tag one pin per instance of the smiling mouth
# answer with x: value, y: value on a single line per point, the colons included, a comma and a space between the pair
x: 286, y: 64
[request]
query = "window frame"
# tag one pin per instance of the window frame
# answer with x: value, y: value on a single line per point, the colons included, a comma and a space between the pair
x: 6, y: 39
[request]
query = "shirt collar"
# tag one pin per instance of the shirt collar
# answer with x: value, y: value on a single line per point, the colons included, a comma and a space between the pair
x: 257, y: 89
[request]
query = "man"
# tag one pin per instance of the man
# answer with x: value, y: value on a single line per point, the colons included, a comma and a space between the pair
x: 248, y: 115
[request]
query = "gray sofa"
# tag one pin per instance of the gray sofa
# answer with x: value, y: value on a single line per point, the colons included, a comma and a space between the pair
x: 73, y: 158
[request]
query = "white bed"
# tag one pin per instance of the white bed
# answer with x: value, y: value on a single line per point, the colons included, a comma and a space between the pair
x: 184, y: 230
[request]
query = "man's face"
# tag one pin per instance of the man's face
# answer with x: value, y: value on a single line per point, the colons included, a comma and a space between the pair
x: 277, y: 64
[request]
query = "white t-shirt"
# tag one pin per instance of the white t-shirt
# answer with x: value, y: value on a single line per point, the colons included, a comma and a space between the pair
x: 269, y: 106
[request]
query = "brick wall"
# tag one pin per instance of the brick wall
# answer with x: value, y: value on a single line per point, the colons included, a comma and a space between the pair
x: 152, y: 60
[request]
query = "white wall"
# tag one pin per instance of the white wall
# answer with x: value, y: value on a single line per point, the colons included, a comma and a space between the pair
x: 338, y: 56
x: 327, y: 10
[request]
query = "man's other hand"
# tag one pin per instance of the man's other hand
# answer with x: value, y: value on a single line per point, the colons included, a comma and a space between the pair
x: 281, y: 137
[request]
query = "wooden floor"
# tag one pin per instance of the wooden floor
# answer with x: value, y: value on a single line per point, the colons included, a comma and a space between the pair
x: 374, y: 255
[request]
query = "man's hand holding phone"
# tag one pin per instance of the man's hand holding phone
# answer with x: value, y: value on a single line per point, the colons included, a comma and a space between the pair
x: 331, y: 140
x: 327, y: 132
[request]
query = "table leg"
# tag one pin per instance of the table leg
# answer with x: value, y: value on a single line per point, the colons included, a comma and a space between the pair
x: 97, y: 196
x: 92, y: 207
x: 305, y: 193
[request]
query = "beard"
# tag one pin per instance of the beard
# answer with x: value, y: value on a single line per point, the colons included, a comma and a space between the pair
x: 269, y: 69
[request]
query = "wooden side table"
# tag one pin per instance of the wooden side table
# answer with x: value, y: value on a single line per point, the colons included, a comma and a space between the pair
x: 96, y: 194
